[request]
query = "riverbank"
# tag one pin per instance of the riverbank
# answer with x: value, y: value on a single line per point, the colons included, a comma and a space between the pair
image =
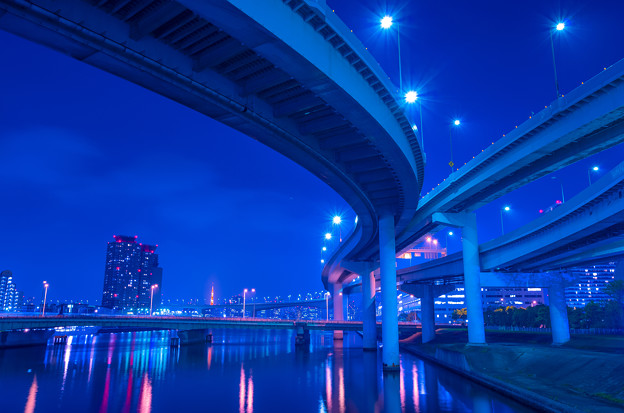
x: 584, y: 375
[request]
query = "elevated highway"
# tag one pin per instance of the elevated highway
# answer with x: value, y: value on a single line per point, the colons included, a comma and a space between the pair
x: 288, y: 73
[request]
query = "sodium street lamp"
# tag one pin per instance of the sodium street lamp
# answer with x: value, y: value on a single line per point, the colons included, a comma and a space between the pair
x: 589, y: 171
x: 559, y: 27
x: 456, y: 122
x: 253, y: 290
x: 45, y: 297
x: 506, y: 209
x: 386, y: 23
x: 152, y: 297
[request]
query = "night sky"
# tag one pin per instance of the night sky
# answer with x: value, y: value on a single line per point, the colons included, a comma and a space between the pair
x: 85, y: 155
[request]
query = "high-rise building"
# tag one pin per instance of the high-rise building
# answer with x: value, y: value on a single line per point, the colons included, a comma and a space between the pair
x: 9, y: 296
x: 130, y: 272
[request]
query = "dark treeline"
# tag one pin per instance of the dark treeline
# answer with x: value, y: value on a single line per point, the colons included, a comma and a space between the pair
x: 604, y: 314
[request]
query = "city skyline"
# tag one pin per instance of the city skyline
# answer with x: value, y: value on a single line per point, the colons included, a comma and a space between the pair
x: 200, y: 183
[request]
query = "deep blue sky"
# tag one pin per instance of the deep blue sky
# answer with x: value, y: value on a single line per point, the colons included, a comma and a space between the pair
x: 85, y: 155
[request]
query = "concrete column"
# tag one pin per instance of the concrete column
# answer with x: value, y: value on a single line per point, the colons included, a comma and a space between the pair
x: 338, y: 309
x: 369, y: 320
x: 389, y: 314
x: 472, y: 285
x: 427, y: 314
x: 558, y: 313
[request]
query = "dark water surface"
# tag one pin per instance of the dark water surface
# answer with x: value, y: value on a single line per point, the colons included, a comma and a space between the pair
x: 243, y: 371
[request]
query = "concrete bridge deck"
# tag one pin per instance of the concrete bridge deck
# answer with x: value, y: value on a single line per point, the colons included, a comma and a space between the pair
x: 181, y: 323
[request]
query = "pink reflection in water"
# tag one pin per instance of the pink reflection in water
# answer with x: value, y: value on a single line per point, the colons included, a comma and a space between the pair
x: 145, y: 399
x: 341, y: 389
x: 241, y: 392
x: 250, y: 393
x: 328, y: 386
x: 246, y: 388
x: 416, y: 395
x: 32, y: 397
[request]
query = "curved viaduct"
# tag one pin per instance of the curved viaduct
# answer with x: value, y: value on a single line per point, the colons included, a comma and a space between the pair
x: 288, y: 73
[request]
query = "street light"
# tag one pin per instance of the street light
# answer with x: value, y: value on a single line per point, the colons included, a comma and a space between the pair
x: 506, y: 209
x: 447, y: 235
x: 561, y: 183
x: 253, y: 290
x: 337, y: 220
x: 456, y: 122
x: 45, y: 297
x: 559, y: 27
x: 386, y: 23
x: 328, y: 236
x: 589, y: 171
x: 327, y: 304
x: 411, y: 97
x: 152, y: 297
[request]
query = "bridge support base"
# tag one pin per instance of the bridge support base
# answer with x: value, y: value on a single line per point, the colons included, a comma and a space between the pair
x: 427, y: 314
x: 558, y: 314
x: 369, y: 318
x: 338, y: 309
x: 389, y: 315
x: 472, y: 283
x: 303, y: 335
x: 198, y: 336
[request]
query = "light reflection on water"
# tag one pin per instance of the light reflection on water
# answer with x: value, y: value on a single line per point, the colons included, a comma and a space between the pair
x: 243, y: 371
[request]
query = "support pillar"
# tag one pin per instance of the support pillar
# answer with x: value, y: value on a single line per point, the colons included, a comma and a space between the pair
x: 338, y: 309
x: 389, y: 316
x: 369, y: 319
x: 472, y: 283
x: 558, y: 314
x: 427, y: 314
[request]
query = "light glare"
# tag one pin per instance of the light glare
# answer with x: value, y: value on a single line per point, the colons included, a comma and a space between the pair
x: 386, y: 22
x: 411, y: 96
x: 560, y: 26
x: 507, y: 208
x: 456, y: 123
x: 337, y: 220
x: 328, y: 236
x: 595, y: 168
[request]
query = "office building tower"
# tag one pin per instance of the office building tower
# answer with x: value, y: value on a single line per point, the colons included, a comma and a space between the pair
x: 9, y: 296
x: 130, y: 272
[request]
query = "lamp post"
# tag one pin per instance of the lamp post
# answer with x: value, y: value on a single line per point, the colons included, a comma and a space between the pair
x: 559, y: 27
x: 561, y: 183
x: 589, y: 171
x: 45, y: 297
x: 337, y: 220
x: 411, y: 97
x: 506, y: 209
x: 456, y: 122
x: 253, y: 290
x: 446, y: 242
x: 152, y: 297
x: 327, y: 305
x: 386, y: 23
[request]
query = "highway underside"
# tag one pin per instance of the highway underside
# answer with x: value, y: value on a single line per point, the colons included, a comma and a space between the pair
x: 526, y: 367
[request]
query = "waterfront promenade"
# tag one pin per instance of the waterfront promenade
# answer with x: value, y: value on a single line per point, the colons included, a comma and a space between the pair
x: 583, y: 375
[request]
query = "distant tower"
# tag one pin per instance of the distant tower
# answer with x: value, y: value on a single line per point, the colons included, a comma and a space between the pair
x: 130, y: 271
x: 212, y: 295
x: 9, y: 295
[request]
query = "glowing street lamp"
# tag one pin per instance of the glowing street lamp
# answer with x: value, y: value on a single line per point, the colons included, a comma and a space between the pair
x: 328, y: 236
x: 447, y: 235
x: 559, y: 27
x: 337, y: 220
x: 327, y: 304
x: 253, y: 290
x: 45, y: 297
x: 506, y: 209
x: 387, y: 22
x: 589, y: 171
x: 411, y: 97
x: 152, y: 297
x: 456, y: 123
